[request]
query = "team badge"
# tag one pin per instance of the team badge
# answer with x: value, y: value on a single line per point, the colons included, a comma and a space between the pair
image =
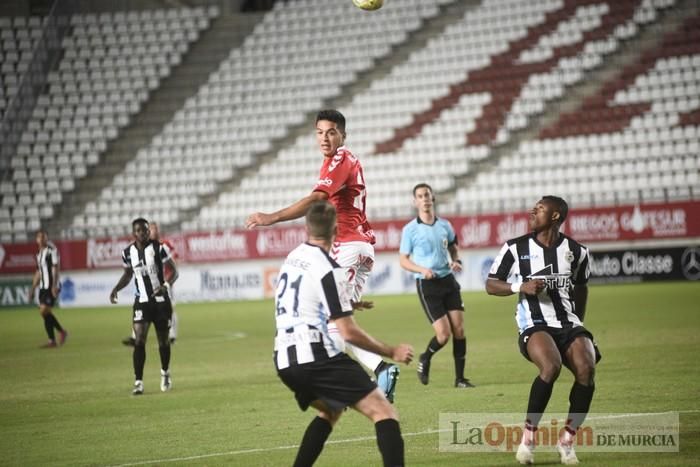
x: 569, y: 257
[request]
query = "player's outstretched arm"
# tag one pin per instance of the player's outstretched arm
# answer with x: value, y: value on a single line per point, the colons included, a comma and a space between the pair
x: 354, y: 334
x: 293, y: 211
x: 123, y: 281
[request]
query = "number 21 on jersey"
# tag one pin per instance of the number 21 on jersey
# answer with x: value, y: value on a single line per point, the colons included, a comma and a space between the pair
x: 288, y: 297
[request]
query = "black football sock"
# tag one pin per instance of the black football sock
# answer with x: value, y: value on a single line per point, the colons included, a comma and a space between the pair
x: 390, y: 442
x: 139, y: 360
x: 580, y: 399
x: 55, y: 322
x: 164, y: 356
x: 433, y: 347
x: 312, y: 443
x: 540, y: 392
x: 48, y: 325
x: 459, y: 351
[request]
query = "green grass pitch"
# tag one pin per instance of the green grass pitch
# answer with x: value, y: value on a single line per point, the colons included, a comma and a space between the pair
x: 72, y: 406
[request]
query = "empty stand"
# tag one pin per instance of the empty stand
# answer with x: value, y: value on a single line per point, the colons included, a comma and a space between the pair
x: 294, y: 59
x: 110, y: 64
x: 634, y: 141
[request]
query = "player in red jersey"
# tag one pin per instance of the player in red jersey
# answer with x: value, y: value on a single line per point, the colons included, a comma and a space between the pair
x: 172, y: 333
x: 341, y: 181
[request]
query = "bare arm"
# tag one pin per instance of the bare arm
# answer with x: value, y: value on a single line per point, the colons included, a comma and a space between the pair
x: 35, y: 283
x: 175, y: 272
x: 354, y: 334
x: 580, y: 300
x: 406, y: 263
x: 123, y: 281
x: 293, y: 211
x: 456, y: 265
x: 503, y: 289
x: 54, y: 286
x: 169, y: 281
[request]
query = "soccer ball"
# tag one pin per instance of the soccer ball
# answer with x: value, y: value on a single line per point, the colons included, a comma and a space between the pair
x: 368, y: 4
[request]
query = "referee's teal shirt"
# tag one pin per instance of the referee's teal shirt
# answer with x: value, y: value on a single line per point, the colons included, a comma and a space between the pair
x: 426, y: 244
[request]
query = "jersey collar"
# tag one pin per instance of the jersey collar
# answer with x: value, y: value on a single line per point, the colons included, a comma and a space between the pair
x: 555, y: 245
x: 421, y: 222
x: 333, y: 263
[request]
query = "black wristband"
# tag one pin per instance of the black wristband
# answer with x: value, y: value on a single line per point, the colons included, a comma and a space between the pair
x: 458, y: 261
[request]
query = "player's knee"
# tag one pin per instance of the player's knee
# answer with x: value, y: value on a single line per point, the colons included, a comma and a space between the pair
x: 442, y: 337
x: 376, y: 407
x: 385, y: 411
x: 458, y: 332
x: 550, y: 371
x: 139, y: 340
x: 585, y: 374
x: 330, y: 416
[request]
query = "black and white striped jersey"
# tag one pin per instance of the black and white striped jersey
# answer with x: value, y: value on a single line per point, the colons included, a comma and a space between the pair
x: 147, y: 266
x: 310, y: 291
x: 562, y: 266
x: 46, y: 259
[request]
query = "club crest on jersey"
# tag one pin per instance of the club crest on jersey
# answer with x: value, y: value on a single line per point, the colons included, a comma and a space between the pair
x: 553, y: 280
x: 569, y: 256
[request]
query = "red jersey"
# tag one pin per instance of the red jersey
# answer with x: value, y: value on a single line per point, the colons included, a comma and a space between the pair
x: 343, y: 180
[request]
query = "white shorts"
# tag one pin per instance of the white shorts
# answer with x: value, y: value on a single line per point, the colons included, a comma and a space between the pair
x: 358, y: 258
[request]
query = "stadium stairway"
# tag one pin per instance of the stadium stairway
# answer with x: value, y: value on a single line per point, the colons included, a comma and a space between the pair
x: 449, y: 14
x: 649, y: 37
x: 204, y: 56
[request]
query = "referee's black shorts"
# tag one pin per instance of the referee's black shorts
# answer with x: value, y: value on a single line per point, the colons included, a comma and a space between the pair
x: 438, y: 296
x: 339, y: 382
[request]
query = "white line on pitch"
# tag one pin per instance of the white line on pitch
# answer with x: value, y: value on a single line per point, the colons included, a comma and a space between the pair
x: 353, y: 440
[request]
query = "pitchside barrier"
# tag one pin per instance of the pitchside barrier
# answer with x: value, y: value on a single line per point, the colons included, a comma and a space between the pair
x: 242, y: 264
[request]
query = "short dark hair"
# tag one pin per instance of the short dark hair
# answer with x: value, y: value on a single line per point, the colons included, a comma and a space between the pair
x: 321, y: 220
x: 559, y: 205
x: 41, y: 230
x: 422, y: 185
x: 139, y: 220
x: 334, y: 116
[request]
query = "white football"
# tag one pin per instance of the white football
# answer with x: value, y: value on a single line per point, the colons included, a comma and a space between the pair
x: 368, y: 4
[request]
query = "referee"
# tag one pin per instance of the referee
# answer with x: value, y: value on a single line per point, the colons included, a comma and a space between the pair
x: 429, y: 250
